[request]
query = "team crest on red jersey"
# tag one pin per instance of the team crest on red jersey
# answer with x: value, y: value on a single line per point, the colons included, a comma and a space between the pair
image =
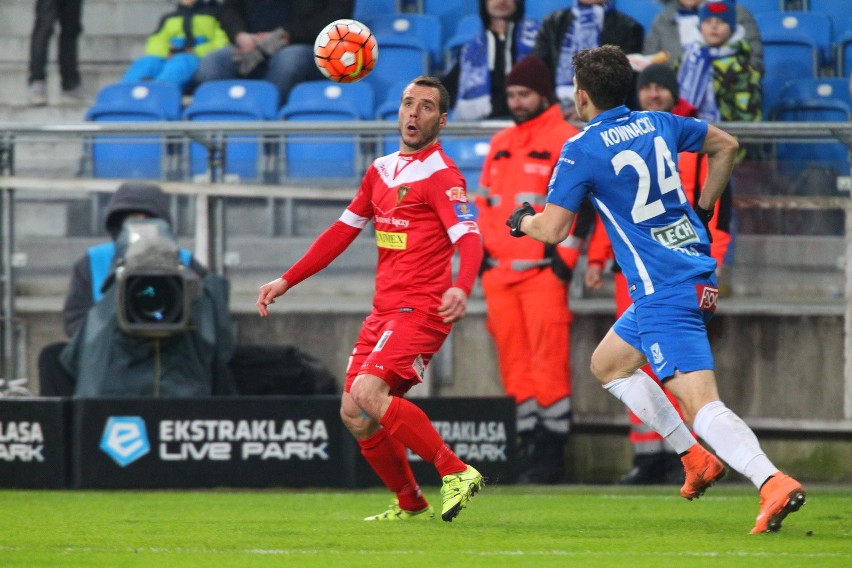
x: 401, y: 192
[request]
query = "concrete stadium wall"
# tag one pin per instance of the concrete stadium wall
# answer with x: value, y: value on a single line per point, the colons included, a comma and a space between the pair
x: 771, y: 367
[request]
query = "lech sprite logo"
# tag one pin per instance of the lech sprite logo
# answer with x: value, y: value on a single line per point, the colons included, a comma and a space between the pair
x: 125, y: 439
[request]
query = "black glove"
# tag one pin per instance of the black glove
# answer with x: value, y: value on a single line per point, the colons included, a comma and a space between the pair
x: 514, y: 220
x: 705, y: 215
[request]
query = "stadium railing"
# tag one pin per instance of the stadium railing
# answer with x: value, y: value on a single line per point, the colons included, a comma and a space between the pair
x: 796, y: 211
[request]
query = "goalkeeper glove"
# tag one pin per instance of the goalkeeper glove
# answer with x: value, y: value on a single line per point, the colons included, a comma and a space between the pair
x: 514, y: 220
x: 705, y: 215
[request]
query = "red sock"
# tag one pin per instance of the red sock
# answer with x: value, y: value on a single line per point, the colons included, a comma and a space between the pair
x: 386, y: 456
x: 410, y: 425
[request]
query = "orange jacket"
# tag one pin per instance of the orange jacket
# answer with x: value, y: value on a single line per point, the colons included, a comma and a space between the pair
x: 518, y: 167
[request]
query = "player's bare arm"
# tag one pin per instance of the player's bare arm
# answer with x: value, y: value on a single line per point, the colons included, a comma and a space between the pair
x: 268, y: 293
x: 550, y: 226
x: 721, y: 149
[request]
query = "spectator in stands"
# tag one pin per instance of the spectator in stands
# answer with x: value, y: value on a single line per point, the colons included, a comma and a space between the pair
x: 131, y: 200
x: 588, y: 23
x: 476, y: 80
x: 272, y: 41
x: 183, y: 37
x: 69, y: 15
x: 676, y: 28
x: 715, y: 73
x: 654, y: 461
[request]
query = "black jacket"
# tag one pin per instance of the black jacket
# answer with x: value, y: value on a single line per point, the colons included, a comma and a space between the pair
x: 619, y: 29
x: 303, y: 19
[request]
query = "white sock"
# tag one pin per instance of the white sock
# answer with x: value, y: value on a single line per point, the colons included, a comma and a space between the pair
x: 733, y: 441
x: 641, y: 394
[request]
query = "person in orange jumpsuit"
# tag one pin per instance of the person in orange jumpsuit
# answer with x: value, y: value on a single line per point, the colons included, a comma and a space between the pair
x: 653, y: 460
x: 526, y: 283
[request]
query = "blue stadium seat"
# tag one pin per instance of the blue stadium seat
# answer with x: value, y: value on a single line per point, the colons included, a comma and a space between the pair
x: 234, y: 100
x: 468, y: 27
x: 469, y: 155
x: 538, y: 9
x: 757, y: 6
x: 388, y: 109
x: 400, y: 59
x: 814, y: 25
x: 426, y: 27
x: 133, y: 156
x: 326, y: 96
x: 796, y: 157
x: 817, y: 88
x: 838, y: 11
x: 450, y: 12
x: 787, y: 56
x: 844, y: 55
x: 365, y: 10
x: 325, y: 155
x: 643, y: 11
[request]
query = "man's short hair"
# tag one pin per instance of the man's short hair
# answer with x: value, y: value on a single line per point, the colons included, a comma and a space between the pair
x: 605, y: 74
x: 435, y: 83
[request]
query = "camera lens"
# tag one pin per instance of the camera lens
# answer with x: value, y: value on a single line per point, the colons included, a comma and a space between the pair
x: 154, y: 299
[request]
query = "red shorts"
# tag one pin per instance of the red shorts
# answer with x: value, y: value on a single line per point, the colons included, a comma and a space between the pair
x: 396, y: 347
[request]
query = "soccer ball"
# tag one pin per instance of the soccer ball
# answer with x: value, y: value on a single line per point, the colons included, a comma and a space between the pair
x: 346, y: 51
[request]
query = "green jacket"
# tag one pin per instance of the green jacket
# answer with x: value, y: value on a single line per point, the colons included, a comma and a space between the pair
x: 737, y: 85
x: 205, y: 35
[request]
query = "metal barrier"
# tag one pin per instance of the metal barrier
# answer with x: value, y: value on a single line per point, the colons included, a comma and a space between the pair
x: 210, y: 193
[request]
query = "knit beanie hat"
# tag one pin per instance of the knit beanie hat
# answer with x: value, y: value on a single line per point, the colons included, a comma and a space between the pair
x: 532, y: 72
x: 726, y: 10
x: 660, y: 74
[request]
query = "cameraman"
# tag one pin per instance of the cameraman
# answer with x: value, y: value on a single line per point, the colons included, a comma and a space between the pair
x: 133, y: 199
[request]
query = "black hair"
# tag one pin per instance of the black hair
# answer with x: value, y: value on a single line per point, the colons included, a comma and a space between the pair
x: 605, y: 74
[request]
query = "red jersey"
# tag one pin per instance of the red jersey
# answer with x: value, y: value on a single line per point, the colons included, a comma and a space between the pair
x: 419, y: 206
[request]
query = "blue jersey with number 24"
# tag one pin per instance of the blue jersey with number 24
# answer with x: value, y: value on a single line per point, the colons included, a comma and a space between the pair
x: 626, y: 163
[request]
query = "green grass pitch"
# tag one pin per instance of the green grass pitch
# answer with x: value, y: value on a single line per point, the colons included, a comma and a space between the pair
x: 505, y: 526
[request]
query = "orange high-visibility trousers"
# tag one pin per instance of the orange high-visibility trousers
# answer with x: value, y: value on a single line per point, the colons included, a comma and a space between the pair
x: 530, y: 323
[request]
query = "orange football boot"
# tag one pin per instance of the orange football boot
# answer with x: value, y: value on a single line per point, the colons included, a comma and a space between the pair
x: 779, y: 496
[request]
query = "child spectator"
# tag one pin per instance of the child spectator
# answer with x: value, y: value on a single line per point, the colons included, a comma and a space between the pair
x: 183, y: 37
x: 715, y: 73
x: 676, y: 28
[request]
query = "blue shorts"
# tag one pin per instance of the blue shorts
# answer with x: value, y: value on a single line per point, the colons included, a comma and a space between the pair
x: 669, y: 328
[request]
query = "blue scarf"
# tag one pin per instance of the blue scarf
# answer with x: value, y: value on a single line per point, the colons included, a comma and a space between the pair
x: 584, y: 33
x: 695, y: 78
x: 477, y: 59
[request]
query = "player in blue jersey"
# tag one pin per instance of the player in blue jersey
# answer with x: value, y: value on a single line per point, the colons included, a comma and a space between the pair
x: 624, y: 162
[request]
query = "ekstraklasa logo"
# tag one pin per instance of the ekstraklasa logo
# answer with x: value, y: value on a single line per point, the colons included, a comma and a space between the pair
x: 125, y: 439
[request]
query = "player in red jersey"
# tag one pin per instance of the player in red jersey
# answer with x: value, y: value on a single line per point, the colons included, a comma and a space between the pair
x: 418, y: 203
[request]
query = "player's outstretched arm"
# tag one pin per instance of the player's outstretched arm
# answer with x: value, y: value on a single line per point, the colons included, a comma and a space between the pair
x: 552, y: 225
x: 268, y: 293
